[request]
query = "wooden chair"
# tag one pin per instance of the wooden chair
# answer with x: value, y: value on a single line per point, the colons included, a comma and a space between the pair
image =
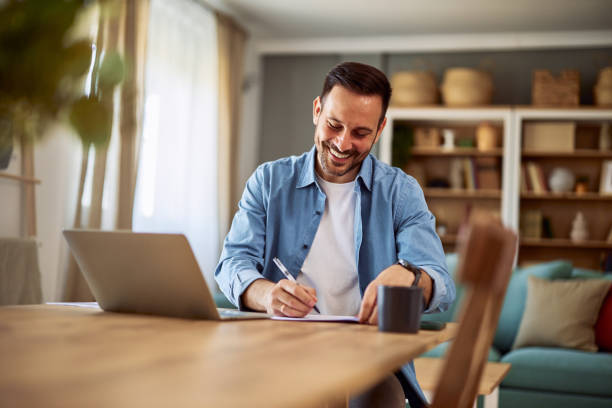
x: 487, y: 252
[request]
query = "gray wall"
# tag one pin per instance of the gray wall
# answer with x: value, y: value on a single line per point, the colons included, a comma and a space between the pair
x: 290, y: 83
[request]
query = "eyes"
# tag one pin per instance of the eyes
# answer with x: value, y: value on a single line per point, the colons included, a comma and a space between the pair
x: 358, y: 133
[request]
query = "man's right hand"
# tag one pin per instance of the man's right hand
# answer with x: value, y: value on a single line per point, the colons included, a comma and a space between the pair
x: 285, y: 298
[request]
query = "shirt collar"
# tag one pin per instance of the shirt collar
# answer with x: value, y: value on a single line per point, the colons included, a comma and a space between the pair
x: 307, y: 175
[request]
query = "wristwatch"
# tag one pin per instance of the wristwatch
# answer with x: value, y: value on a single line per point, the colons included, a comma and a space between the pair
x: 412, y: 268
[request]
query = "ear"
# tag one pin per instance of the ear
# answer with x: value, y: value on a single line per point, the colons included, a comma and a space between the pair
x: 316, y: 110
x: 380, y: 129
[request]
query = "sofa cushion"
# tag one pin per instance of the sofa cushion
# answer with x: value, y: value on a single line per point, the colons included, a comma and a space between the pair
x: 560, y: 370
x: 561, y: 313
x: 441, y: 349
x: 603, y: 327
x: 516, y: 294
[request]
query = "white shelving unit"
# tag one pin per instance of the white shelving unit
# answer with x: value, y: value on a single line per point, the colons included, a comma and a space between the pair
x: 512, y: 119
x: 447, y: 116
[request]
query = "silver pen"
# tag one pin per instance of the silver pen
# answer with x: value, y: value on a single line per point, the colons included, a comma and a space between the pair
x: 285, y: 272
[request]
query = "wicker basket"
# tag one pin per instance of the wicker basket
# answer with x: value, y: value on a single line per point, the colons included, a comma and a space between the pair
x: 414, y: 88
x: 466, y: 87
x: 548, y: 90
x: 603, y: 89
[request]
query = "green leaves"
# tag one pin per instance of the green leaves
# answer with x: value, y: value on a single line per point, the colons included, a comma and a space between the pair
x: 93, y: 120
x: 111, y: 71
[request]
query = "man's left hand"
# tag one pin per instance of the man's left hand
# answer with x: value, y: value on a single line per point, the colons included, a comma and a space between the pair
x: 395, y: 275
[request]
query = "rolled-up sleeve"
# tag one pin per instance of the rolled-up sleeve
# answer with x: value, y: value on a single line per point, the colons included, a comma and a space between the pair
x: 417, y: 242
x: 241, y: 260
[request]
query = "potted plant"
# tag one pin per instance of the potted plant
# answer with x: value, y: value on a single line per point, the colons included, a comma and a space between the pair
x: 42, y: 73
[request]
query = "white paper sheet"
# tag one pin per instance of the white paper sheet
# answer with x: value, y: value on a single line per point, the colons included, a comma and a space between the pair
x: 91, y: 305
x: 319, y: 318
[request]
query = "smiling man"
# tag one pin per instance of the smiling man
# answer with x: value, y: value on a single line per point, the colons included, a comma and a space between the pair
x: 341, y: 221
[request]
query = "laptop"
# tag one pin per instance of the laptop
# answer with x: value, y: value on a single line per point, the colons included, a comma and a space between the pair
x: 146, y: 273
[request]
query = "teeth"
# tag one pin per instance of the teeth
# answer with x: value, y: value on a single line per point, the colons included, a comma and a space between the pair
x: 338, y: 154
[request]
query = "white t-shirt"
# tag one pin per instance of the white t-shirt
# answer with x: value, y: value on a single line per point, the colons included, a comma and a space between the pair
x: 330, y: 265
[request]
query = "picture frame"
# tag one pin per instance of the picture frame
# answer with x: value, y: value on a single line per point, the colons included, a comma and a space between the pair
x: 605, y: 186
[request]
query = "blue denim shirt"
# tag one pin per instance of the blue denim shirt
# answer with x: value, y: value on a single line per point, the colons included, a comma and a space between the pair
x: 279, y: 215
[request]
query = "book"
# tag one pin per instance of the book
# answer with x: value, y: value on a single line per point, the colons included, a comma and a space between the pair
x: 469, y: 174
x: 534, y: 179
x: 524, y: 184
x: 487, y: 172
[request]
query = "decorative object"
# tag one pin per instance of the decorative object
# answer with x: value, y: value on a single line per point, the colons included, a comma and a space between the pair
x: 604, y: 137
x: 486, y: 136
x: 561, y: 313
x: 561, y: 180
x: 549, y: 136
x: 531, y: 224
x: 466, y: 87
x: 449, y: 139
x: 579, y: 231
x: 603, y: 89
x: 414, y: 88
x: 582, y: 184
x: 605, y: 186
x: 548, y: 90
x: 441, y: 229
x: 424, y: 137
x: 456, y: 174
x: 465, y: 142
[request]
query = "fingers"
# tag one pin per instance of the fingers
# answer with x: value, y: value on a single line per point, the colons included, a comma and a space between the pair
x: 368, y: 303
x: 304, y: 294
x: 287, y: 298
x: 374, y: 316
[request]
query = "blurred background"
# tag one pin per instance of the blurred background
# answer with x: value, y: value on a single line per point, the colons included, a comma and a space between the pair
x: 150, y: 115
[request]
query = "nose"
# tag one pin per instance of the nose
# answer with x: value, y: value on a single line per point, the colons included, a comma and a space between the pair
x: 343, y: 141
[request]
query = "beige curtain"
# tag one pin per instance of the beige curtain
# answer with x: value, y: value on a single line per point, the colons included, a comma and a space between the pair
x: 231, y: 40
x: 124, y: 31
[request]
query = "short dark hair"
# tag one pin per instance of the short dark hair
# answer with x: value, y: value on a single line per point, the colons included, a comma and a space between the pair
x: 359, y: 78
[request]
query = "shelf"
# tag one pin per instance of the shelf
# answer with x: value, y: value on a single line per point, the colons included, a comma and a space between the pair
x: 580, y: 153
x: 456, y: 193
x: 566, y: 196
x: 458, y: 151
x: 564, y: 243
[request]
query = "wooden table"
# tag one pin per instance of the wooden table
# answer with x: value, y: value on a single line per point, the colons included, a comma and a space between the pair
x: 428, y: 371
x: 62, y: 356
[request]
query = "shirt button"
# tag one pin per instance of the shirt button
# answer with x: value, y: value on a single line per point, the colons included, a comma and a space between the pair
x: 318, y: 212
x: 305, y: 246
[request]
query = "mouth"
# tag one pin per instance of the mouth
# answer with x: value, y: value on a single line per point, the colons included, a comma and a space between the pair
x: 338, y: 157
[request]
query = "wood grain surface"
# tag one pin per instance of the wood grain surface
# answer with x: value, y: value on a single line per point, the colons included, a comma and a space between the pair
x: 429, y: 369
x: 61, y: 356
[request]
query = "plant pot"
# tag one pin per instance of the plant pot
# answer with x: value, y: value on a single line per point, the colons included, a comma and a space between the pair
x: 5, y: 156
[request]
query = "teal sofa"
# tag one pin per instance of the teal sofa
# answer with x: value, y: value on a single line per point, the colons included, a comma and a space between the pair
x: 540, y: 377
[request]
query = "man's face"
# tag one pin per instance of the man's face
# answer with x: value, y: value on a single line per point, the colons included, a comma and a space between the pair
x: 346, y: 128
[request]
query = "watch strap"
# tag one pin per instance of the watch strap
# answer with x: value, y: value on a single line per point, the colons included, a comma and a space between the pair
x: 412, y: 268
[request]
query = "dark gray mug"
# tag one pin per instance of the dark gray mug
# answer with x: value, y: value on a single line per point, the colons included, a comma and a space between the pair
x: 399, y: 308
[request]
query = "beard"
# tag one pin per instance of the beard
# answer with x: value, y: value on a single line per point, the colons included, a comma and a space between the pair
x: 333, y: 168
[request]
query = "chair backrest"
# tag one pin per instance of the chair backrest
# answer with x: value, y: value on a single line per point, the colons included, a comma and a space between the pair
x: 486, y: 252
